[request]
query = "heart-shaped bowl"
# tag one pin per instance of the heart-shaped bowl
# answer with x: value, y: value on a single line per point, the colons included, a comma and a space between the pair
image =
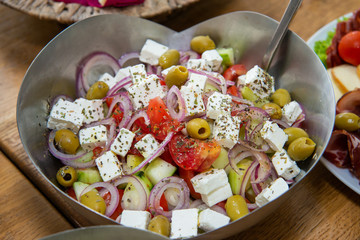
x: 295, y: 67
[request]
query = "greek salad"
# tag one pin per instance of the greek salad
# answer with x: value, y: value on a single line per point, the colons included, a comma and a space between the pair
x: 179, y: 143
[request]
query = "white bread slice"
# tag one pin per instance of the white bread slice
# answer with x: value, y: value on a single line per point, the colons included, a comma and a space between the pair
x: 346, y: 78
x: 337, y: 91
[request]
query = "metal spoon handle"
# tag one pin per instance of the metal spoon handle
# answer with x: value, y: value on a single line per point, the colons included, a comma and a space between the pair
x: 280, y: 33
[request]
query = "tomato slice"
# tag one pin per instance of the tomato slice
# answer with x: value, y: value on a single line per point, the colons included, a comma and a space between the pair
x: 349, y: 48
x: 163, y: 203
x: 187, y: 175
x: 97, y: 151
x: 117, y: 115
x: 233, y: 91
x: 193, y: 154
x: 118, y: 211
x: 233, y: 72
x: 70, y: 191
x: 161, y: 123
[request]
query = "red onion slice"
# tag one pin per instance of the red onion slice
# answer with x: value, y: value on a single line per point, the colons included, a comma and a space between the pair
x: 218, y: 209
x: 81, y: 159
x: 95, y: 60
x: 252, y: 206
x: 235, y: 160
x: 247, y: 176
x: 176, y: 104
x: 127, y: 57
x: 158, y: 190
x: 136, y: 116
x: 155, y: 154
x: 126, y: 81
x: 140, y: 189
x: 123, y: 101
x: 115, y: 197
x: 213, y: 79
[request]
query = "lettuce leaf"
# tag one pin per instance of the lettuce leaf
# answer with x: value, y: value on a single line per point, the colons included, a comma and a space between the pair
x: 321, y: 46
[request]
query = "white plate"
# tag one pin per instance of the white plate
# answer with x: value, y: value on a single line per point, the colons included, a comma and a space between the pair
x: 343, y: 175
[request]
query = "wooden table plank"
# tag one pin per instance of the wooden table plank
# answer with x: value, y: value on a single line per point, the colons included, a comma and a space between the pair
x: 322, y: 207
x: 25, y: 213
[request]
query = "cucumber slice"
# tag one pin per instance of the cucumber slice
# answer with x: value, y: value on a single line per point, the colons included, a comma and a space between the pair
x: 209, y: 87
x: 78, y: 188
x: 131, y: 197
x: 227, y: 55
x: 133, y: 161
x: 159, y: 169
x: 145, y: 180
x: 222, y: 160
x: 235, y: 180
x: 89, y: 175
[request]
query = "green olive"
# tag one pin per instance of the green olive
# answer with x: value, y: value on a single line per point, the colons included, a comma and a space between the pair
x: 67, y: 141
x: 347, y: 121
x: 198, y: 128
x: 294, y: 133
x: 281, y: 97
x: 301, y: 148
x: 176, y: 76
x: 273, y: 109
x: 160, y: 224
x: 93, y: 200
x: 169, y: 58
x: 202, y: 43
x: 97, y: 91
x: 66, y: 176
x: 236, y: 207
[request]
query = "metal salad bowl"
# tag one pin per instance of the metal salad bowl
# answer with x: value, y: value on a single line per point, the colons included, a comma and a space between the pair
x: 295, y: 67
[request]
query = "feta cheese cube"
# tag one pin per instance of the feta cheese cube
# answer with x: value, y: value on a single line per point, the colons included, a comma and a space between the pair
x: 193, y: 100
x: 284, y: 165
x: 93, y: 137
x: 226, y: 130
x: 273, y: 135
x: 109, y: 166
x: 147, y: 145
x: 198, y: 64
x: 135, y: 219
x: 141, y: 93
x: 65, y: 115
x: 137, y: 73
x: 151, y: 52
x: 123, y: 72
x: 166, y: 71
x: 273, y: 191
x: 92, y: 110
x: 196, y: 81
x: 218, y: 104
x: 208, y: 181
x: 213, y: 58
x: 260, y: 82
x: 184, y: 223
x: 122, y: 142
x: 210, y: 220
x: 217, y: 195
x: 290, y: 112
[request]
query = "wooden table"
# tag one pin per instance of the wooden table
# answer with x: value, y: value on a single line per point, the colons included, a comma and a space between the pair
x: 321, y: 208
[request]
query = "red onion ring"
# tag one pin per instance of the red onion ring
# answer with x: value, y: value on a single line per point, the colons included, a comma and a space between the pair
x: 115, y: 197
x: 119, y: 85
x: 218, y: 209
x: 240, y: 156
x: 301, y: 117
x: 246, y: 177
x: 126, y: 106
x: 196, y: 203
x: 155, y: 154
x: 81, y: 159
x: 86, y: 64
x: 140, y: 189
x: 174, y: 100
x: 158, y: 190
x: 136, y: 116
x: 281, y: 123
x: 250, y: 145
x: 252, y: 206
x: 239, y: 100
x: 128, y: 56
x: 186, y: 55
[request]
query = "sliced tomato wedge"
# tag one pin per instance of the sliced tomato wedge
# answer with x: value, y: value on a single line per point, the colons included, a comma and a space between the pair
x: 193, y: 154
x: 70, y: 191
x: 97, y: 151
x: 187, y: 175
x: 233, y: 72
x: 161, y: 123
x: 233, y: 91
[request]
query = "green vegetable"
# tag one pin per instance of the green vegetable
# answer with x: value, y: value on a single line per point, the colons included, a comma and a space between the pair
x: 89, y: 175
x: 227, y: 54
x: 159, y: 169
x: 321, y: 46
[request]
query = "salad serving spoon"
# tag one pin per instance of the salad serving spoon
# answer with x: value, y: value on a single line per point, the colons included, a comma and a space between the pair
x: 280, y: 33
